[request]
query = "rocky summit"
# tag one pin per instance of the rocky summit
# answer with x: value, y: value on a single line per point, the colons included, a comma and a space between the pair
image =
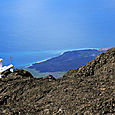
x: 88, y: 90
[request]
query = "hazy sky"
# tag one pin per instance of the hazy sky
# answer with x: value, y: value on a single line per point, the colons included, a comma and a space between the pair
x: 56, y: 24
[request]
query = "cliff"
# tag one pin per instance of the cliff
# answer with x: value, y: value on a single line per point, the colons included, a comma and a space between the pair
x: 90, y: 89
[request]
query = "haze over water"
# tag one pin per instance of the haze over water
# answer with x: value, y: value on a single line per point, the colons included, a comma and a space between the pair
x: 43, y: 25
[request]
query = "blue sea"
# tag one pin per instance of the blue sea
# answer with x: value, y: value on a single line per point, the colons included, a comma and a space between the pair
x: 26, y: 58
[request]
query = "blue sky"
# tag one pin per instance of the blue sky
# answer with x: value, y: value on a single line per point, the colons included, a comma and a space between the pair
x: 56, y: 24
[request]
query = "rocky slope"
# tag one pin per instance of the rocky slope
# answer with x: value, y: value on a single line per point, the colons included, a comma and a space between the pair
x: 89, y: 90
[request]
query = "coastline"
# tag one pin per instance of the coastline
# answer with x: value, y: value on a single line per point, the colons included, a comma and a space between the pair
x: 38, y: 62
x: 61, y: 53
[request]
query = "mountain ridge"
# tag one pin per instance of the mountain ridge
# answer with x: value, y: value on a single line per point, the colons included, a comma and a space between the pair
x: 90, y: 89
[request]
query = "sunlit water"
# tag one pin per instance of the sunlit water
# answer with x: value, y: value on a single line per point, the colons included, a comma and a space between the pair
x: 26, y: 58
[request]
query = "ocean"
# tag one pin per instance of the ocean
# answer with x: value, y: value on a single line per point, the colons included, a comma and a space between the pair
x: 26, y: 58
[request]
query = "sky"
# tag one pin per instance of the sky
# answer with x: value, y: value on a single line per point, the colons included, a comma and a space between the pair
x: 56, y: 24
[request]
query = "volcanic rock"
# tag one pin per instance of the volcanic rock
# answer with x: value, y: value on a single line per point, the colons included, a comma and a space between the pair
x: 88, y: 90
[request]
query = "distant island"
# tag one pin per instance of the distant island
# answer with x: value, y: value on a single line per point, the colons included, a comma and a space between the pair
x: 68, y: 60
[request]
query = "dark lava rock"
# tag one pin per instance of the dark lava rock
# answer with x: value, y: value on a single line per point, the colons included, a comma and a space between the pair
x: 89, y: 90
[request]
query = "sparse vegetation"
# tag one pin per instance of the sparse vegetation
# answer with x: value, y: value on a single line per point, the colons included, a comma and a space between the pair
x: 38, y: 74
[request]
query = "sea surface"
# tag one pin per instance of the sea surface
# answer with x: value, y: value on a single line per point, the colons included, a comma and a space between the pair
x: 26, y: 58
